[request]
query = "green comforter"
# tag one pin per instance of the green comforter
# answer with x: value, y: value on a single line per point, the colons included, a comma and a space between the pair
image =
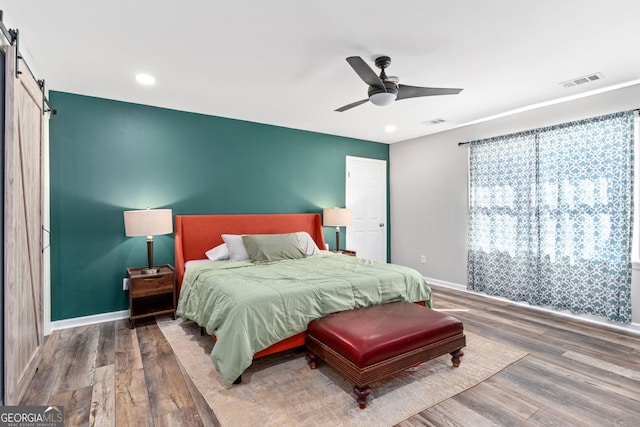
x: 252, y: 306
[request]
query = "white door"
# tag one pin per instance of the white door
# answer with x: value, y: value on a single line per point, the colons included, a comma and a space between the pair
x: 366, y: 196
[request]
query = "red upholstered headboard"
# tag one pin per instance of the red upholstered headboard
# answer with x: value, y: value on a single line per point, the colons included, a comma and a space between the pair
x: 196, y: 234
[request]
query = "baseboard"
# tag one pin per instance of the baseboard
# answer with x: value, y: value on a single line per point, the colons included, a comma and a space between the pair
x: 124, y: 314
x: 89, y: 320
x: 633, y: 328
x: 446, y: 284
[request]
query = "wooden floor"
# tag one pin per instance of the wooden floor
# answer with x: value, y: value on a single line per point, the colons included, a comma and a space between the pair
x: 575, y: 374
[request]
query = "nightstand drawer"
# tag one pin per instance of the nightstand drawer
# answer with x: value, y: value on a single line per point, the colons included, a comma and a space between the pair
x: 147, y: 286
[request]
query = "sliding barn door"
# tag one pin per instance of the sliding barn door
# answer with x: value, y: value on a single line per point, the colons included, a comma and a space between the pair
x: 22, y: 228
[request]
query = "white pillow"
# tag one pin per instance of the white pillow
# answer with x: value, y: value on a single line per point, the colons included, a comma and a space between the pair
x: 306, y: 243
x: 218, y: 253
x: 237, y: 251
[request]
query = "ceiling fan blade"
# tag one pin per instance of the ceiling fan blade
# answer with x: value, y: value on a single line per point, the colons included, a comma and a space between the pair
x: 365, y: 72
x: 349, y: 106
x: 405, y: 91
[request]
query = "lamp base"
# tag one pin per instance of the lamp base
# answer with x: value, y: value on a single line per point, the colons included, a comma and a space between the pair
x: 152, y: 270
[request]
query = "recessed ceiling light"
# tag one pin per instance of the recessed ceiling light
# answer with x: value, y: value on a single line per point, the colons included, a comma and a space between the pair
x: 145, y: 79
x: 390, y: 128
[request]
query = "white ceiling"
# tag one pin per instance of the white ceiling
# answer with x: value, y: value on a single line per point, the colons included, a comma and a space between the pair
x: 282, y: 62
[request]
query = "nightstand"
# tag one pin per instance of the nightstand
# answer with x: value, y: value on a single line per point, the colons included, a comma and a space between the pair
x: 347, y: 252
x: 151, y: 294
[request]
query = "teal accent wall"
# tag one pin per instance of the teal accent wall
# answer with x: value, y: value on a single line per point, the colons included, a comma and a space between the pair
x: 110, y: 156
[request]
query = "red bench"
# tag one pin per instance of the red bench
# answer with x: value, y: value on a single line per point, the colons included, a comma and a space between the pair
x: 368, y: 344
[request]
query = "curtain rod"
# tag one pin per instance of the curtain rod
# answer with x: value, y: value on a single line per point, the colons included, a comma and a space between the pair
x: 13, y: 37
x: 636, y: 113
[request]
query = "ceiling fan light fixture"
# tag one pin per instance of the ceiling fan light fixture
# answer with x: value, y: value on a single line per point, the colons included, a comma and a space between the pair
x: 383, y: 98
x: 383, y: 90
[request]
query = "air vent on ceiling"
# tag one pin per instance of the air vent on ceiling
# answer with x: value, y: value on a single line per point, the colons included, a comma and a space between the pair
x: 434, y: 122
x: 582, y: 80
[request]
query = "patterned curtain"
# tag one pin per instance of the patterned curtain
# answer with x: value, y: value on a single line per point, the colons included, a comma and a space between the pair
x: 551, y: 216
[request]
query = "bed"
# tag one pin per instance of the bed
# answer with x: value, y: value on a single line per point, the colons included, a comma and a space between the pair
x: 259, y: 308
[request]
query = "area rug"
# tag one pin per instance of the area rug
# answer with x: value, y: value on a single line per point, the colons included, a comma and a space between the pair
x: 281, y: 390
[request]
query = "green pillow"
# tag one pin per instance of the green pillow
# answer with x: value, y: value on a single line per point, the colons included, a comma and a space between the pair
x: 272, y: 247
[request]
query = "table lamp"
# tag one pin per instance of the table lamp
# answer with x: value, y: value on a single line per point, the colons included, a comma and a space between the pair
x: 148, y: 222
x: 337, y: 217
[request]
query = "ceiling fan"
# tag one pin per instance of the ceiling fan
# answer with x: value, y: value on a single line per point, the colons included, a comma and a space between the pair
x: 383, y: 89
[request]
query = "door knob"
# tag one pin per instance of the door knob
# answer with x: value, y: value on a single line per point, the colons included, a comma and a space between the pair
x: 382, y: 224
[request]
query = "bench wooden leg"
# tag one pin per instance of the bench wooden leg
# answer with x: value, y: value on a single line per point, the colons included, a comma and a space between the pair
x: 312, y: 360
x: 455, y: 357
x: 363, y: 395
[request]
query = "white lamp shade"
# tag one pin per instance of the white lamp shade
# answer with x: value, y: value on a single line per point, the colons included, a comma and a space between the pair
x: 337, y: 217
x: 149, y: 222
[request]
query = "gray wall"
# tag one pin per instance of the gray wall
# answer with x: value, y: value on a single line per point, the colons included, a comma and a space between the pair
x: 428, y: 186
